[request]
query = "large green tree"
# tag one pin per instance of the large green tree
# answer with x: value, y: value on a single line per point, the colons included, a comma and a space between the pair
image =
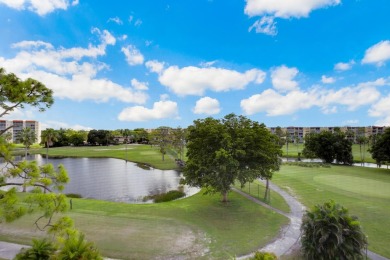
x: 329, y: 146
x: 329, y: 232
x: 223, y: 151
x: 380, y: 149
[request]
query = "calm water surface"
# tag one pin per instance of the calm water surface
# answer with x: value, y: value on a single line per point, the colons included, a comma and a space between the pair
x: 114, y: 179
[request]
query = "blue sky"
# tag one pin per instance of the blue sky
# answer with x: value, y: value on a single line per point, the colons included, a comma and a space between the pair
x: 130, y: 64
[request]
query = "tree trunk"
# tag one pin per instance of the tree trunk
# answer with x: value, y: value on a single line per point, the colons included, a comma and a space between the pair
x: 224, y: 196
x: 266, y: 194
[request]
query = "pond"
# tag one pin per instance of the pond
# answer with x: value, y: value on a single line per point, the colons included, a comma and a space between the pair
x: 114, y: 179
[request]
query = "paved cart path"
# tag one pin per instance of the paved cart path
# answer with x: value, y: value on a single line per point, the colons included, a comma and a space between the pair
x: 289, y: 236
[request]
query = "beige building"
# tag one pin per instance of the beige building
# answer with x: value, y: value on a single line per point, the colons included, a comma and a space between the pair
x: 13, y: 128
x: 297, y: 134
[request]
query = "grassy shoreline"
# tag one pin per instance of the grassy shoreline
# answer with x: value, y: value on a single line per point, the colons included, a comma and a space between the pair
x: 199, y: 226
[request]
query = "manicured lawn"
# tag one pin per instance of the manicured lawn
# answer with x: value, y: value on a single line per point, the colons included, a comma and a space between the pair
x: 257, y: 190
x: 135, y: 153
x: 364, y: 191
x: 196, y: 227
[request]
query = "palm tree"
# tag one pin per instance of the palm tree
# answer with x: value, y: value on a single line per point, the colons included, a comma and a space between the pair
x: 329, y: 232
x: 48, y: 137
x: 27, y: 137
x: 76, y: 247
x: 41, y: 249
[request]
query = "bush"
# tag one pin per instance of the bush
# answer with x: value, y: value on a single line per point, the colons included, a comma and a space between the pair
x: 263, y: 256
x: 308, y: 164
x: 170, y: 195
x: 329, y: 232
x: 164, y: 197
x: 74, y: 195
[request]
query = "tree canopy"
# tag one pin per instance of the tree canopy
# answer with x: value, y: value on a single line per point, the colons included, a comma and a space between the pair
x: 380, y: 149
x: 329, y: 146
x: 223, y: 151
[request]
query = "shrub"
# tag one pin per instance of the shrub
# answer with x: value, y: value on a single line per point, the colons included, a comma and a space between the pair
x: 329, y: 232
x: 73, y: 195
x: 263, y: 256
x: 170, y: 195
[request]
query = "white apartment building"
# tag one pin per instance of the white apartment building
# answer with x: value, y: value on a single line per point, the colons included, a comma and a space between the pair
x: 297, y: 134
x: 13, y: 127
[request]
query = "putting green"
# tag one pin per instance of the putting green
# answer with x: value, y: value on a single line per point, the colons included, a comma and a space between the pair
x: 363, y: 186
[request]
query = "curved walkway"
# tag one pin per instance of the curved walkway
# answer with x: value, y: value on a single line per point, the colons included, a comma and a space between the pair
x: 289, y: 236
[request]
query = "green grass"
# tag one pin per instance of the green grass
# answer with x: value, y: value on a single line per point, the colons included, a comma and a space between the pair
x: 364, y: 191
x: 197, y: 225
x: 135, y: 153
x: 257, y: 189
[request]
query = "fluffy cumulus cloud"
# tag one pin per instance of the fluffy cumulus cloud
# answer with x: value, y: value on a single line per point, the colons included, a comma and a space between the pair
x: 271, y: 9
x: 161, y: 110
x: 71, y: 73
x: 41, y: 7
x: 283, y: 78
x: 139, y: 85
x: 342, y: 66
x: 133, y: 55
x: 381, y: 110
x: 193, y: 80
x: 377, y: 54
x: 207, y: 105
x: 327, y: 80
x: 286, y: 9
x: 275, y: 104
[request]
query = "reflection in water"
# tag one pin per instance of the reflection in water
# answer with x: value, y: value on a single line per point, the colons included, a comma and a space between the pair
x: 114, y: 179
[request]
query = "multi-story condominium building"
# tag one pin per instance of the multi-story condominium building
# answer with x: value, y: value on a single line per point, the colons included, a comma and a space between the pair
x: 14, y: 127
x: 297, y: 134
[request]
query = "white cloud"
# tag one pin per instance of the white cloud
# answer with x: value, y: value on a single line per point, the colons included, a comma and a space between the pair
x: 195, y: 80
x: 70, y: 73
x: 116, y: 20
x: 271, y: 9
x: 207, y: 64
x: 327, y: 80
x: 265, y: 25
x: 160, y: 110
x: 207, y: 105
x: 155, y: 66
x: 378, y: 53
x: 342, y: 66
x: 275, y: 104
x: 286, y: 9
x: 282, y: 78
x: 139, y: 85
x: 381, y: 109
x: 41, y: 7
x: 58, y: 125
x: 133, y: 55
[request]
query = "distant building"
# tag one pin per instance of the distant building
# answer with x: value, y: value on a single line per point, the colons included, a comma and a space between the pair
x: 297, y: 134
x: 14, y: 127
